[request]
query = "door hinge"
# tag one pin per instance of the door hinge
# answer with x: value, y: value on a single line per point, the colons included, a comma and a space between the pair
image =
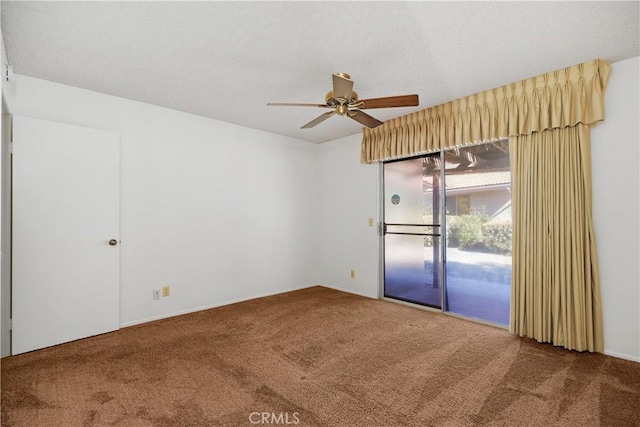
x: 382, y: 229
x: 11, y: 324
x: 11, y: 147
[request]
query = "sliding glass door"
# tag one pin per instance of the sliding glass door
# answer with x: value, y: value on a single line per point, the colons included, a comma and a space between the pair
x: 447, y: 231
x: 412, y: 211
x: 478, y: 218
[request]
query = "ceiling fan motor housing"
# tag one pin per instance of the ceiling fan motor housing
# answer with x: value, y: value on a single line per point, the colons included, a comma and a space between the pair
x: 333, y: 102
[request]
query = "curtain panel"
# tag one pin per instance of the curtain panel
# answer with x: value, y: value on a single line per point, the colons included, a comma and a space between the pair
x: 557, y: 99
x: 555, y: 292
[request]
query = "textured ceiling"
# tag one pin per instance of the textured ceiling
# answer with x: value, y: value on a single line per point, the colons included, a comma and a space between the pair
x: 226, y: 60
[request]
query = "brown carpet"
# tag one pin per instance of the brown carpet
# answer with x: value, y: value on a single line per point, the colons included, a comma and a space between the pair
x: 316, y: 357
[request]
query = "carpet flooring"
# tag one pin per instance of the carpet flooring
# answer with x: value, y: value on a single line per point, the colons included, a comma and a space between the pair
x: 316, y: 357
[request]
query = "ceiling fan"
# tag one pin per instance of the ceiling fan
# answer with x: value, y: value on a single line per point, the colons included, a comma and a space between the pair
x: 343, y: 101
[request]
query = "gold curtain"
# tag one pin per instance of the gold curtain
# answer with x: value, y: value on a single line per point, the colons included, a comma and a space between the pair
x: 553, y: 100
x: 555, y: 294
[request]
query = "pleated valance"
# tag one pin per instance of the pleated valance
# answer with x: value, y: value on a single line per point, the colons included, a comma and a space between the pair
x: 553, y: 100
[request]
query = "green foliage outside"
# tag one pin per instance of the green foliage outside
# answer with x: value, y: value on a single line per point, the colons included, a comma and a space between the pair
x: 497, y: 237
x: 474, y: 232
x: 468, y: 230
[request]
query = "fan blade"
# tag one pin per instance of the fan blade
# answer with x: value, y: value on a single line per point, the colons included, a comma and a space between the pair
x: 389, y: 102
x: 364, y: 118
x: 342, y: 87
x: 293, y: 104
x: 317, y: 120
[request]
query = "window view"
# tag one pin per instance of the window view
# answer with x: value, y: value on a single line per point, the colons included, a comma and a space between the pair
x: 458, y: 205
x: 478, y: 227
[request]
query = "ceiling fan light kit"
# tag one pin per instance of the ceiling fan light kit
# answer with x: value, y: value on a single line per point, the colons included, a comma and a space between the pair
x: 344, y: 102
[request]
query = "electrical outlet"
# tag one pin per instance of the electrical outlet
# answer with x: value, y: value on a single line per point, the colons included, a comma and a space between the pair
x: 353, y: 274
x: 156, y: 294
x: 165, y: 291
x: 370, y: 222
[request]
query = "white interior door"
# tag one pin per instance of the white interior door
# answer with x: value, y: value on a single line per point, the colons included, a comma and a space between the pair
x: 65, y: 212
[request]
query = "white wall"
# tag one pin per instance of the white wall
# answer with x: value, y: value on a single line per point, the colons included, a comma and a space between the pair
x: 219, y: 212
x: 616, y: 214
x: 348, y: 197
x: 349, y: 189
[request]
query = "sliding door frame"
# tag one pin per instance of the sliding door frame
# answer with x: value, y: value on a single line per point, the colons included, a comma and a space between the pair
x: 443, y: 244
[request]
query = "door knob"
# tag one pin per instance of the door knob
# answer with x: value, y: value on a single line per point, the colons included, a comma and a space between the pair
x: 113, y: 242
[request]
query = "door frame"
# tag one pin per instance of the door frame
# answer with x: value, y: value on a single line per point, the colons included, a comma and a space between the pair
x: 5, y: 224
